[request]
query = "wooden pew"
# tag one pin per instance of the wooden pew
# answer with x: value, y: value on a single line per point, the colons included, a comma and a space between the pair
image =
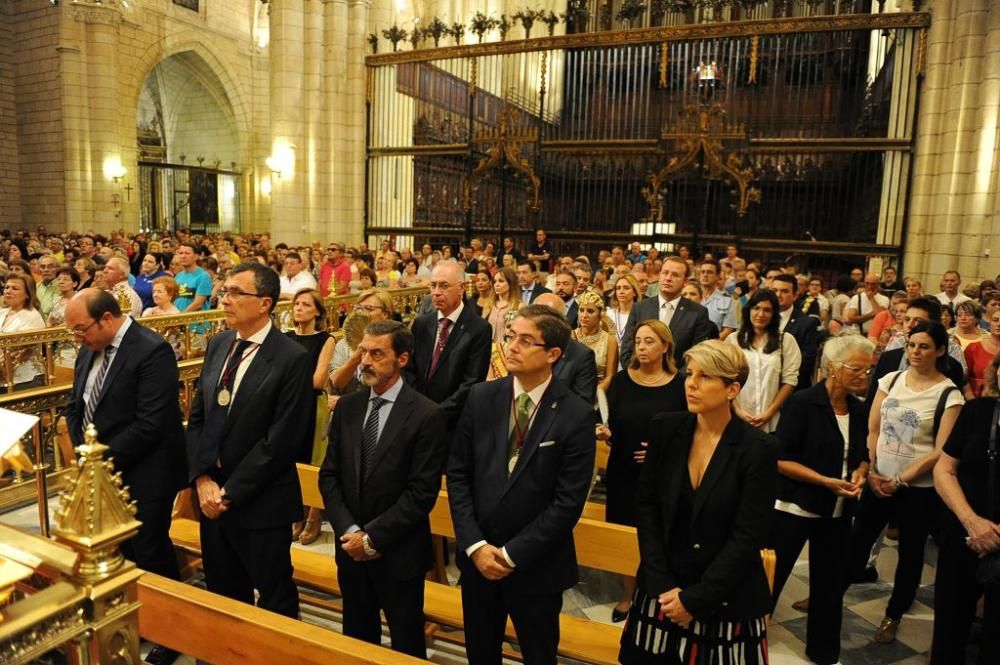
x: 219, y: 630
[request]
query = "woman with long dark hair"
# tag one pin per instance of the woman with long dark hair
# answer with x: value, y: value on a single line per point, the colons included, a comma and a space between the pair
x: 774, y: 360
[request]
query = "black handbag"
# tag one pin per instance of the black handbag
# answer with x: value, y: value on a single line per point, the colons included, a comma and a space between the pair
x: 988, y: 568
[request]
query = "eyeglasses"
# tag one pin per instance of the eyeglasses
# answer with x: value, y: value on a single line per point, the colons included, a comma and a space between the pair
x: 440, y: 286
x: 522, y: 340
x: 857, y: 370
x: 236, y: 293
x: 80, y: 332
x: 368, y: 309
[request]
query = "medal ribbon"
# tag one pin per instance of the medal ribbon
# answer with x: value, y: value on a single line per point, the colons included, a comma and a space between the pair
x: 231, y: 367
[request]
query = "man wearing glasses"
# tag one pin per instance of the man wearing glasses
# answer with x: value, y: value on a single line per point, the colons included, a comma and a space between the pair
x: 518, y: 475
x: 249, y: 422
x: 451, y: 349
x: 335, y: 274
x: 125, y: 384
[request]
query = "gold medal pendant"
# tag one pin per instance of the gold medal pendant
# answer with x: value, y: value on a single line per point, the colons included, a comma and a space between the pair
x: 513, y: 462
x: 224, y: 397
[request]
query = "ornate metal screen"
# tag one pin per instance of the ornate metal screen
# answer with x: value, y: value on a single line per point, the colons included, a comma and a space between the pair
x: 786, y: 136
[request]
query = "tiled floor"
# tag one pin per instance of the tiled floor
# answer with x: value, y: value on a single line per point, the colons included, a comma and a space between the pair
x: 597, y: 592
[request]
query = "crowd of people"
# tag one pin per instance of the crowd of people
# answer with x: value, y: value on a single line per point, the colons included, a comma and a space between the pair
x: 745, y: 406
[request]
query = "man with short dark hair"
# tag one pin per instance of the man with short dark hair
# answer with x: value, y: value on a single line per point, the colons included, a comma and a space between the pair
x: 540, y: 252
x: 125, y: 384
x: 379, y: 482
x: 296, y: 277
x: 247, y: 427
x: 950, y: 295
x: 194, y: 286
x: 335, y: 273
x: 800, y: 325
x: 565, y: 288
x: 518, y: 476
x: 713, y: 299
x: 688, y: 321
x: 527, y: 280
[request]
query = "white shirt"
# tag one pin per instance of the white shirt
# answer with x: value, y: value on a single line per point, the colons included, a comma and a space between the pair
x: 768, y: 372
x: 786, y: 316
x: 861, y: 304
x: 116, y: 342
x: 249, y: 355
x: 303, y: 280
x: 536, y: 395
x: 959, y: 299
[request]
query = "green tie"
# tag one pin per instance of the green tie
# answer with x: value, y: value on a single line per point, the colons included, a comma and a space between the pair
x: 522, y: 419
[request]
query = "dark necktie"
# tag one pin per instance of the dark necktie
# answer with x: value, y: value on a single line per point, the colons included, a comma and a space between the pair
x: 95, y: 390
x: 444, y: 328
x: 369, y: 439
x: 215, y: 419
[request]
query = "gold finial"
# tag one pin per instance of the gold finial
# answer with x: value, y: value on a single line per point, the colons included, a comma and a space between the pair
x: 96, y: 514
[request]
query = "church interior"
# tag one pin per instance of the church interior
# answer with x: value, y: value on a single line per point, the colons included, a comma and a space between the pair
x: 831, y: 133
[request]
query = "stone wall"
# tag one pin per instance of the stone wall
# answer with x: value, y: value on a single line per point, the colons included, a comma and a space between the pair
x: 10, y: 189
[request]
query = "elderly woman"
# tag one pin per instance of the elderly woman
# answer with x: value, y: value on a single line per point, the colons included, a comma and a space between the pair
x: 376, y: 305
x: 970, y: 530
x: 822, y: 466
x: 67, y: 281
x: 20, y: 313
x: 912, y: 415
x: 705, y: 505
x: 163, y: 289
x: 967, y: 330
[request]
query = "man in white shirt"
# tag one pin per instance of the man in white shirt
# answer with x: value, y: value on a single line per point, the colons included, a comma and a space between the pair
x: 116, y: 279
x: 950, y: 295
x: 295, y: 278
x: 865, y: 304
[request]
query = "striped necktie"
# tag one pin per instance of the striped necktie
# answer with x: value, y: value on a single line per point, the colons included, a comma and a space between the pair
x: 369, y: 437
x: 95, y: 390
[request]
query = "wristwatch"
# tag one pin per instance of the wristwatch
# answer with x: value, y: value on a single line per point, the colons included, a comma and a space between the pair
x: 898, y: 482
x: 366, y: 543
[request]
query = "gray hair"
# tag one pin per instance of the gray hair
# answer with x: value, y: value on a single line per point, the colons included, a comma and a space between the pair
x: 453, y: 263
x: 836, y: 349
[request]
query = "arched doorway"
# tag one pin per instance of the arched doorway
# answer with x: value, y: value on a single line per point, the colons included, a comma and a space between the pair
x: 189, y: 149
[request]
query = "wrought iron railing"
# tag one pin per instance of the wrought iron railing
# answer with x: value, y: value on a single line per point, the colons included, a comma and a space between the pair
x: 796, y: 129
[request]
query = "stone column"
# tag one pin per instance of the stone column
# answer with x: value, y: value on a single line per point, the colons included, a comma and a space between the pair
x: 954, y: 207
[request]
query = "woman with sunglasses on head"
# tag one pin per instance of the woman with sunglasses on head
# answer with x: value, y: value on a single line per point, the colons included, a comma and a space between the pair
x: 704, y: 508
x: 309, y: 315
x: 911, y: 417
x: 374, y: 305
x: 822, y: 466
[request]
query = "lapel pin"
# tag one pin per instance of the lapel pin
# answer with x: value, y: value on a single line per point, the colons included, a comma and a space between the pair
x: 555, y: 404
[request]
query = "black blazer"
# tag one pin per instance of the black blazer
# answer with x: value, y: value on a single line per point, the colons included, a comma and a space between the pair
x: 266, y: 427
x: 138, y: 413
x: 393, y: 503
x: 804, y: 328
x: 809, y: 435
x: 536, y: 291
x: 572, y: 313
x: 730, y: 520
x: 577, y: 368
x: 464, y: 360
x: 689, y: 326
x: 889, y: 362
x: 531, y: 512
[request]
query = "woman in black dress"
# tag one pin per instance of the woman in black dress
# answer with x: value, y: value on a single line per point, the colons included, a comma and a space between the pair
x: 649, y: 386
x: 309, y: 315
x: 704, y: 507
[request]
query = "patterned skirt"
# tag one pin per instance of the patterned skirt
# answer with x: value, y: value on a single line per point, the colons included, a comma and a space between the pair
x: 650, y: 638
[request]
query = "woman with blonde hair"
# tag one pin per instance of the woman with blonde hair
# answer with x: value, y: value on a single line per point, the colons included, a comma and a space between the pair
x: 704, y: 508
x: 651, y: 385
x: 507, y: 299
x: 309, y: 315
x: 626, y: 295
x: 592, y: 333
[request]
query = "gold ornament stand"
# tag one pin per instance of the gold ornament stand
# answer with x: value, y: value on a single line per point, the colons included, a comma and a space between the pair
x: 75, y: 590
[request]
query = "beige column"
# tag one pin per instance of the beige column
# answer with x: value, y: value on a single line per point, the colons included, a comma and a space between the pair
x: 89, y: 47
x: 954, y: 209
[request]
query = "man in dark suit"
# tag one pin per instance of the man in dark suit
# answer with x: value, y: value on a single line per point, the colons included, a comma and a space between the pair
x: 379, y: 481
x: 125, y: 383
x: 688, y: 321
x: 577, y: 366
x: 527, y: 279
x: 803, y: 327
x: 451, y: 348
x: 249, y: 418
x: 518, y: 476
x: 565, y: 288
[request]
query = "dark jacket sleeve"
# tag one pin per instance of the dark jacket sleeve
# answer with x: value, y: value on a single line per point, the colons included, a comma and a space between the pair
x: 423, y: 483
x: 585, y: 378
x: 477, y: 364
x: 329, y: 478
x: 792, y: 426
x: 651, y: 522
x: 559, y: 517
x: 461, y: 472
x: 196, y: 421
x: 156, y: 403
x: 750, y: 530
x: 628, y: 337
x: 703, y: 329
x: 276, y: 449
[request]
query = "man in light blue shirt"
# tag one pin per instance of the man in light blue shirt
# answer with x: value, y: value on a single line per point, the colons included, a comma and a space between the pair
x: 715, y: 301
